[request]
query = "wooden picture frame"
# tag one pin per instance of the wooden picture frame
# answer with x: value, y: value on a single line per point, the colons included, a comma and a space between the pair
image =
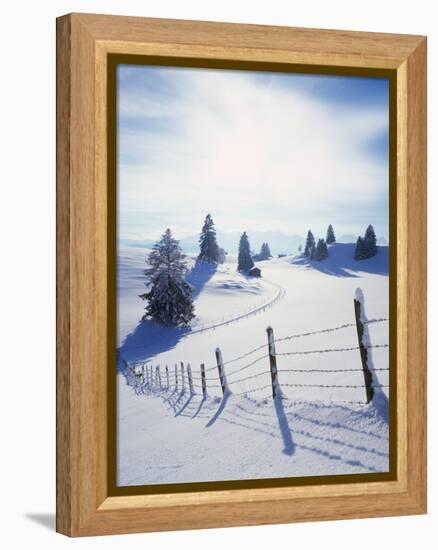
x: 84, y: 43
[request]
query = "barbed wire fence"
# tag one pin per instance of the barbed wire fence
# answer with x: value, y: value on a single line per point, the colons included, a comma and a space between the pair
x: 224, y: 377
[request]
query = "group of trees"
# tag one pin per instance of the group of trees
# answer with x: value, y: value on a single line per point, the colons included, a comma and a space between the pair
x: 319, y: 250
x: 366, y: 246
x: 245, y: 260
x: 264, y: 254
x: 169, y: 298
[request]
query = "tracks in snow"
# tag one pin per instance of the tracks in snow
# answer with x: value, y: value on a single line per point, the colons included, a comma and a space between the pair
x: 279, y: 295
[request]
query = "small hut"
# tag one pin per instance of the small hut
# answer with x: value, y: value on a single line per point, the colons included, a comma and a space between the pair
x: 255, y: 272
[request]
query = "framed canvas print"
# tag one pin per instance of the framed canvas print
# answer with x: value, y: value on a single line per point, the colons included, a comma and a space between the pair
x: 241, y: 274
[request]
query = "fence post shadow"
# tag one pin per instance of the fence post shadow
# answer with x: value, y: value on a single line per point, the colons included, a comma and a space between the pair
x: 201, y: 403
x: 216, y: 415
x: 283, y: 424
x: 185, y: 405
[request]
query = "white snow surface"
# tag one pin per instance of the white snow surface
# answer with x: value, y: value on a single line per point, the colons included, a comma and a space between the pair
x: 166, y: 435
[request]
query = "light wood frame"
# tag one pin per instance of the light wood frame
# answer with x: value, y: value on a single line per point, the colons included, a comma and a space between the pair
x: 83, y: 504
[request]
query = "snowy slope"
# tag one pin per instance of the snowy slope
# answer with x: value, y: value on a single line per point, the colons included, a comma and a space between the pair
x: 169, y: 437
x: 310, y: 307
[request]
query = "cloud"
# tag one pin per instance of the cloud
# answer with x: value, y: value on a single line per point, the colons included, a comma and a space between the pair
x: 255, y: 155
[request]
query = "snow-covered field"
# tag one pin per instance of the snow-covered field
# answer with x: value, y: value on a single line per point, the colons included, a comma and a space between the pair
x: 322, y: 425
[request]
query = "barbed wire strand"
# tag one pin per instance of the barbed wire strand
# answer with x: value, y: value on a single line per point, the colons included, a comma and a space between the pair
x: 328, y: 350
x: 283, y: 339
x: 328, y: 370
x: 332, y: 329
x: 248, y: 365
x: 330, y: 386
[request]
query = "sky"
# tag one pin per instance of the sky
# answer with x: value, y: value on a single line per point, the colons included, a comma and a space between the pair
x: 259, y: 151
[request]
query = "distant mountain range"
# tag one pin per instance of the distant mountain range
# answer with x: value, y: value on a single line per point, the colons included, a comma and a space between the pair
x: 279, y: 243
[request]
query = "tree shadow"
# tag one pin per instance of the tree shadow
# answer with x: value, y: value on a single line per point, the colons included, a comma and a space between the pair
x: 199, y: 276
x: 341, y: 262
x: 150, y: 338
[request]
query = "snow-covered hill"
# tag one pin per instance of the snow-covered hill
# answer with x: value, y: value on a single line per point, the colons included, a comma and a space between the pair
x: 169, y: 437
x: 320, y: 427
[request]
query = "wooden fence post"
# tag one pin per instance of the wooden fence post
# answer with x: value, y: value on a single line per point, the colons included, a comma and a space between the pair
x: 158, y: 375
x: 142, y: 373
x: 203, y: 380
x: 272, y: 361
x: 167, y: 377
x: 183, y: 382
x: 176, y: 376
x: 220, y: 368
x: 189, y: 376
x: 368, y: 377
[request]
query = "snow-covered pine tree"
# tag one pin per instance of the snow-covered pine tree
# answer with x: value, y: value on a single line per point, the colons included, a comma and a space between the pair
x: 310, y: 243
x: 208, y: 247
x: 321, y: 251
x: 370, y: 242
x: 169, y: 297
x: 330, y: 235
x: 244, y: 261
x: 359, y: 252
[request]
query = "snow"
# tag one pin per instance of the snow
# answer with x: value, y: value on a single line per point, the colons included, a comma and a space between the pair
x: 166, y: 436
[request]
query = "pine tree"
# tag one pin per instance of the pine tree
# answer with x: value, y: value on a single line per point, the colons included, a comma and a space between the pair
x: 266, y: 251
x: 208, y: 247
x: 169, y: 298
x: 310, y: 243
x: 330, y: 235
x: 370, y: 242
x: 244, y: 262
x: 264, y: 254
x: 321, y: 251
x: 359, y: 253
x: 366, y: 247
